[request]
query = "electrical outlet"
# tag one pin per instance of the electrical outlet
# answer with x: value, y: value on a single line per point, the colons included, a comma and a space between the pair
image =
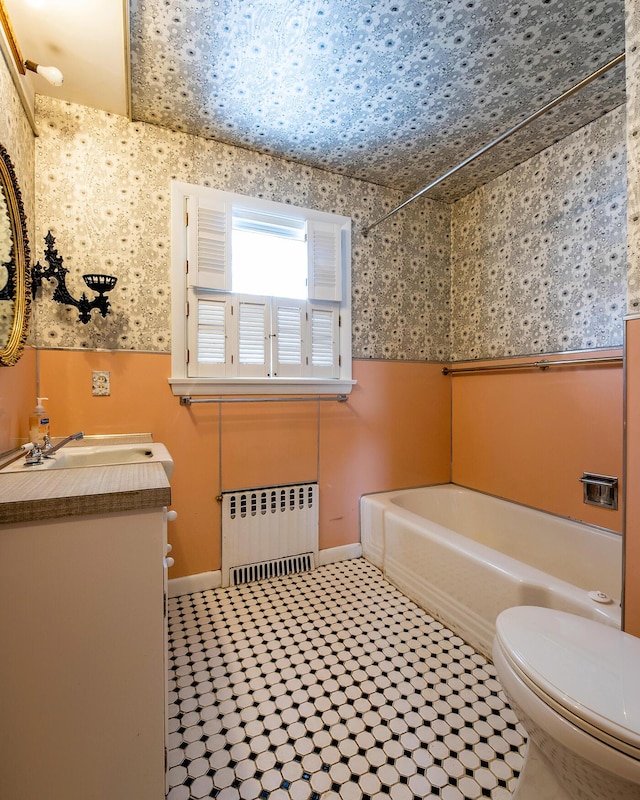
x: 101, y: 384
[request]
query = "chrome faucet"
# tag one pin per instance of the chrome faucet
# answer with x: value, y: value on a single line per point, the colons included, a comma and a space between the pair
x: 39, y: 452
x: 49, y: 449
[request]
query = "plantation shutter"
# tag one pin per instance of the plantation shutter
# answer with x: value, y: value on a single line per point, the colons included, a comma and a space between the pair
x: 324, y: 335
x: 209, y: 243
x: 208, y: 330
x: 288, y: 348
x: 325, y: 260
x: 252, y: 336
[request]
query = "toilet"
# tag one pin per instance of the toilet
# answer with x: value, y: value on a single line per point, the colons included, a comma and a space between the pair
x: 574, y: 684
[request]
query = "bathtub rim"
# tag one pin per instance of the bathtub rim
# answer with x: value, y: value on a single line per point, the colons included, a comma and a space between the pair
x: 599, y: 528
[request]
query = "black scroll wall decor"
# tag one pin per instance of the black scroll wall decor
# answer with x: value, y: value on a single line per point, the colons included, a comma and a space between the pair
x: 55, y: 271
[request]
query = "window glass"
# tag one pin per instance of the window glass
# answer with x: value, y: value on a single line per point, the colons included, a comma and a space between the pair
x: 267, y: 264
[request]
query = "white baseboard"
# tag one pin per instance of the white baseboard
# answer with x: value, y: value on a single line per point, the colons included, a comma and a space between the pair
x: 213, y: 580
x: 333, y: 554
x: 195, y: 583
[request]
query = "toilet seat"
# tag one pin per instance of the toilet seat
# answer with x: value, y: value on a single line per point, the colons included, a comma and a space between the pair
x: 584, y: 670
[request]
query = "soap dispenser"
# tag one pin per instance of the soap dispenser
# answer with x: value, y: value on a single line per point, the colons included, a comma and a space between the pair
x: 39, y: 422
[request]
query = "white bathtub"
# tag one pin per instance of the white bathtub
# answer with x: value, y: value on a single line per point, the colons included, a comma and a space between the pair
x: 465, y: 556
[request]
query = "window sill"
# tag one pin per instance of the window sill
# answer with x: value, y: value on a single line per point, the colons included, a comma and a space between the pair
x: 265, y: 386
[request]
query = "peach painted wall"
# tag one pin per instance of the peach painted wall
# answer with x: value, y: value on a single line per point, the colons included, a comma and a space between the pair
x: 17, y: 400
x: 528, y: 436
x: 632, y: 534
x: 394, y: 432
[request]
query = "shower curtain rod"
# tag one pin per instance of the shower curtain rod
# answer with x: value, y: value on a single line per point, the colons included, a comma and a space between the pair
x: 531, y: 118
x: 185, y: 400
x: 543, y: 364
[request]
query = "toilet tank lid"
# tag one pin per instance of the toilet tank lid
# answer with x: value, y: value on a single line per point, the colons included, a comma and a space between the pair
x: 589, y: 668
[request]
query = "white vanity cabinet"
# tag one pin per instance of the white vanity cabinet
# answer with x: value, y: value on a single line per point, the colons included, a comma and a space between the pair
x: 83, y: 660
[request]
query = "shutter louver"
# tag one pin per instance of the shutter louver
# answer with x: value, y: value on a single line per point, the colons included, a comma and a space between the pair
x: 289, y: 335
x: 325, y: 261
x: 289, y: 355
x: 324, y: 341
x: 209, y: 328
x: 209, y: 243
x: 211, y: 332
x: 252, y: 333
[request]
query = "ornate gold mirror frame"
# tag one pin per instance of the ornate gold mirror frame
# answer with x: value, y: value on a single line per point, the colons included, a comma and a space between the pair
x: 17, y: 290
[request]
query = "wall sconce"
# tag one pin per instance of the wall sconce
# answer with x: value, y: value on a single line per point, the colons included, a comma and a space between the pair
x: 97, y: 283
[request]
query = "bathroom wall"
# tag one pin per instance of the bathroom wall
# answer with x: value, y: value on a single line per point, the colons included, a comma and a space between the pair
x: 103, y: 191
x: 385, y: 436
x: 632, y: 336
x: 530, y: 435
x: 538, y: 255
x: 102, y: 186
x: 17, y: 383
x: 632, y: 71
x: 538, y: 268
x: 17, y: 393
x: 17, y: 137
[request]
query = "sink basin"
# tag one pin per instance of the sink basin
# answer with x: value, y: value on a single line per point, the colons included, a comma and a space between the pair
x: 100, y: 456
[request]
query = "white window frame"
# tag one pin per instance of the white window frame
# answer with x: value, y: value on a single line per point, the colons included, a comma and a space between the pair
x: 231, y: 380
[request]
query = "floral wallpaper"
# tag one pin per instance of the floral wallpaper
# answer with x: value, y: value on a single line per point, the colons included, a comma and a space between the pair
x: 539, y: 254
x: 17, y: 138
x: 103, y: 189
x: 633, y: 155
x: 395, y: 92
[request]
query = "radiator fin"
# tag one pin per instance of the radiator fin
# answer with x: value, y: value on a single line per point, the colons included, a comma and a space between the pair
x: 268, y: 531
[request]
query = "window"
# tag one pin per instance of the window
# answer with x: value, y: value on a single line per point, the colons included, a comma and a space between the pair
x: 260, y: 295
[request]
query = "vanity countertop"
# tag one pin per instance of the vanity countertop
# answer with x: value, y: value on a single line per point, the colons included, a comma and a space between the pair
x: 51, y: 494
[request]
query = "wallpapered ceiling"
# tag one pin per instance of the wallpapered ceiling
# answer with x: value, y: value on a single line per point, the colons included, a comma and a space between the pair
x: 394, y: 92
x: 539, y: 254
x: 103, y: 189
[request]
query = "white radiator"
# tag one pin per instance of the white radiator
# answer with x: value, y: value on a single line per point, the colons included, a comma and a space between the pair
x: 268, y: 532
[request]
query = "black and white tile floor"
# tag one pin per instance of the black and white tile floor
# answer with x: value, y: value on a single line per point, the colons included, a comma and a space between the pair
x: 327, y: 685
